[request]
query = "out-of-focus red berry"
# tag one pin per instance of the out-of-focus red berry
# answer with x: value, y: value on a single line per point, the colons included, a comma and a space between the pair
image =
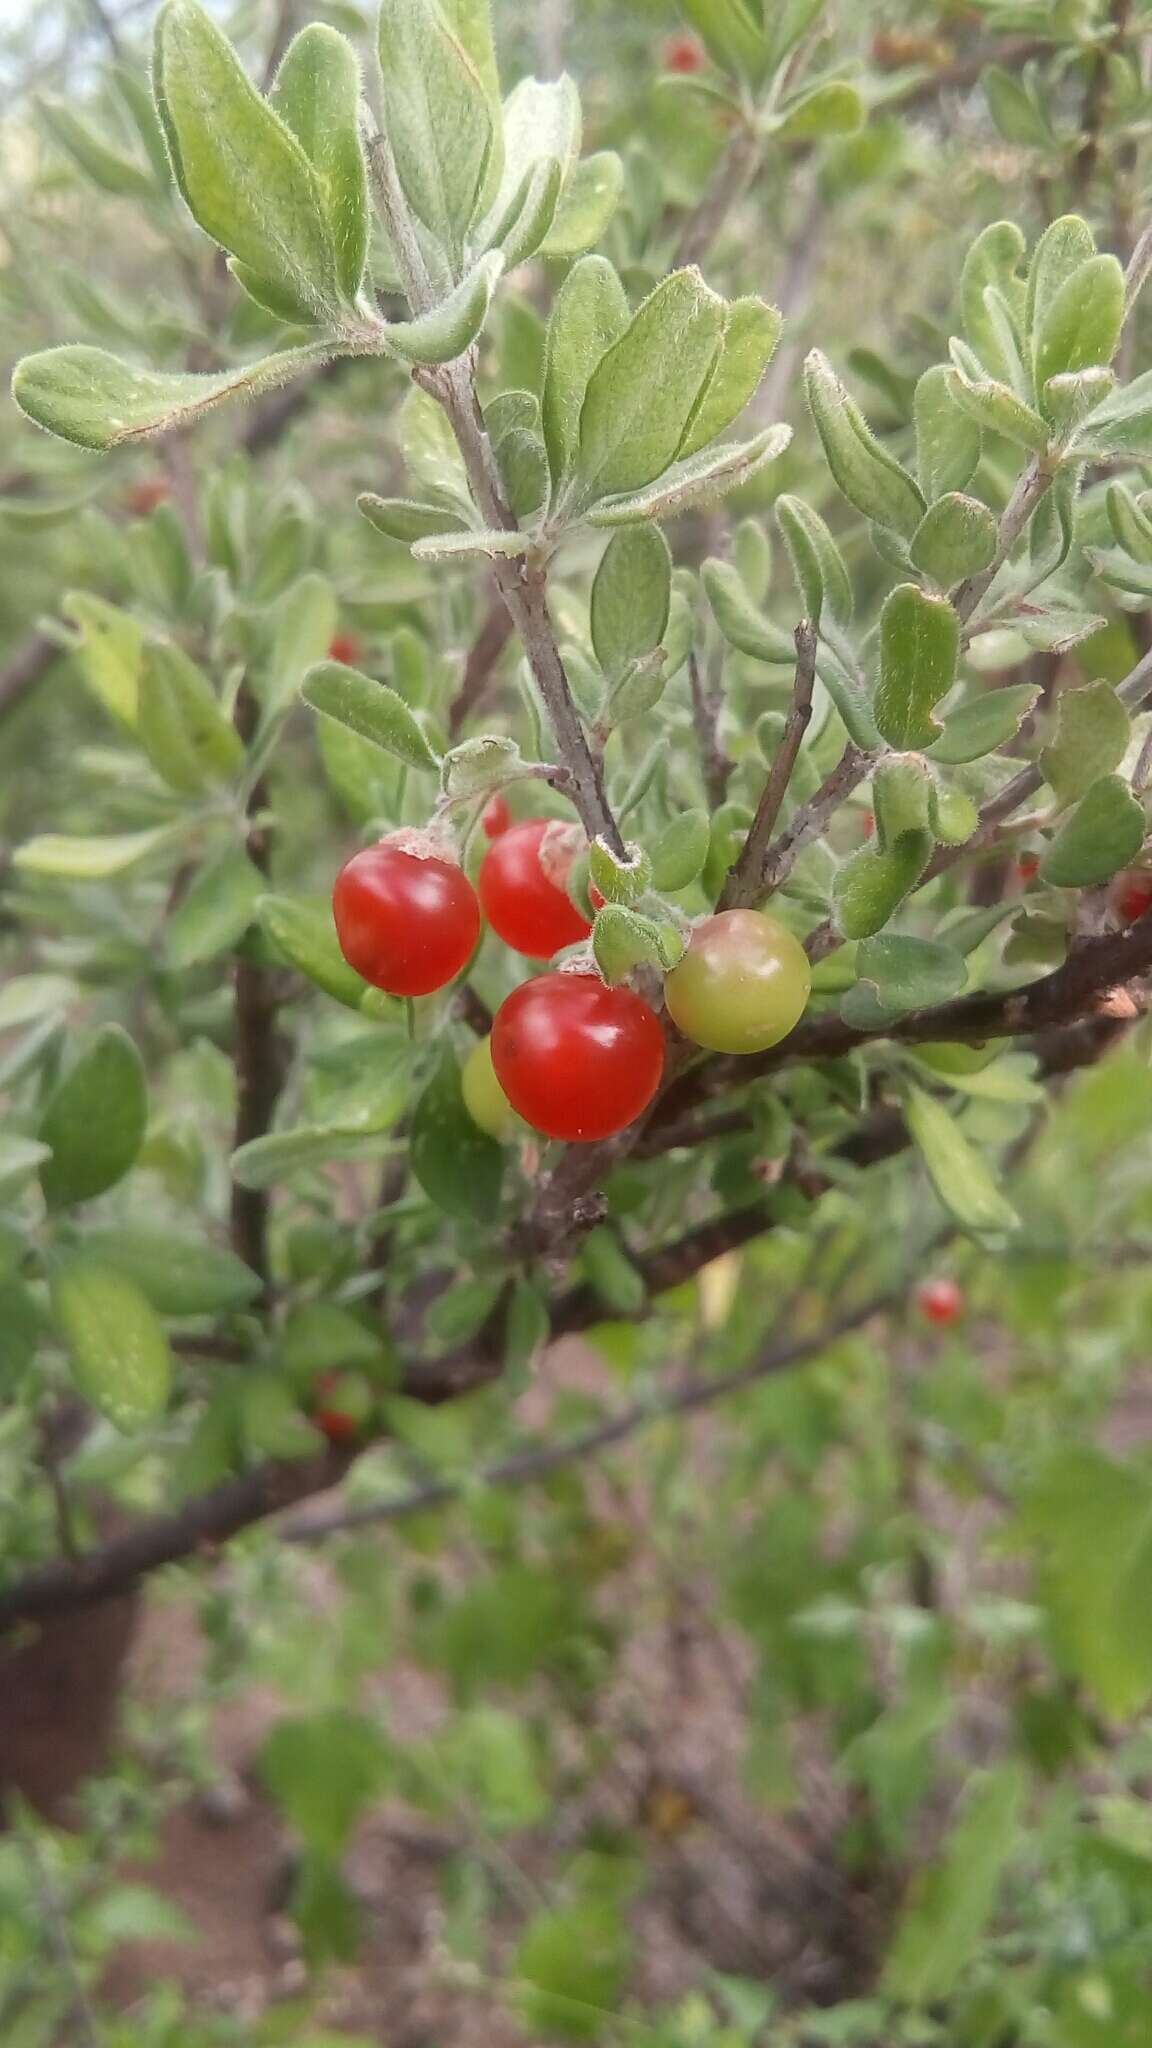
x: 869, y: 824
x: 1131, y: 894
x: 145, y: 495
x: 1028, y: 866
x: 684, y: 53
x: 346, y: 647
x: 940, y: 1301
x: 496, y: 817
x: 334, y: 1422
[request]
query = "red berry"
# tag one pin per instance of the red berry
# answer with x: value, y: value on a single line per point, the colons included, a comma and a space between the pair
x: 940, y: 1301
x: 683, y: 53
x: 578, y: 1060
x: 346, y: 647
x: 869, y: 824
x: 339, y: 1425
x: 521, y: 884
x: 495, y: 817
x: 1131, y: 894
x: 1028, y: 866
x: 407, y: 923
x: 147, y: 494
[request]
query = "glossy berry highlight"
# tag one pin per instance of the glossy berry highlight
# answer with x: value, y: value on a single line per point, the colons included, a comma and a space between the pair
x: 742, y: 985
x: 577, y: 1060
x: 407, y: 923
x: 522, y: 888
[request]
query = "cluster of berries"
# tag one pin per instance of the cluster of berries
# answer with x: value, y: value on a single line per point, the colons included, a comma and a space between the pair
x: 574, y: 1058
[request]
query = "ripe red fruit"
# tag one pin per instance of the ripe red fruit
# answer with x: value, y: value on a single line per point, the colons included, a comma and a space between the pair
x: 521, y: 884
x: 338, y: 1424
x: 408, y: 923
x: 578, y: 1060
x: 940, y: 1301
x: 147, y: 494
x: 495, y: 817
x: 1131, y: 894
x: 1028, y: 866
x: 684, y: 54
x: 346, y: 647
x: 869, y: 824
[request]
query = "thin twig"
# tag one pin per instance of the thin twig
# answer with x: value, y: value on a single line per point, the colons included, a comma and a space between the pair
x: 523, y: 586
x: 707, y: 705
x: 496, y: 629
x: 522, y: 1468
x: 1030, y: 487
x: 811, y: 817
x: 257, y: 1051
x: 746, y: 880
x: 734, y: 173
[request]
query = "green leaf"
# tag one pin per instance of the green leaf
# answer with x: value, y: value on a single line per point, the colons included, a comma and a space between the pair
x: 1014, y: 111
x: 121, y: 1362
x: 109, y: 652
x: 733, y: 33
x: 993, y: 260
x: 459, y: 1168
x: 317, y: 95
x: 919, y: 650
x: 216, y: 911
x: 997, y: 408
x: 406, y: 519
x: 1092, y: 731
x: 541, y: 125
x: 323, y: 1772
x: 243, y: 175
x: 442, y: 111
x: 94, y: 1120
x: 956, y: 538
x: 869, y: 477
x: 589, y: 314
x: 26, y: 998
x: 622, y: 939
x: 20, y: 1158
x: 834, y: 108
x: 363, y: 1084
x: 751, y: 332
x: 491, y: 542
x: 873, y: 883
x: 87, y: 860
x: 1102, y: 835
x: 631, y: 594
x: 369, y: 708
x: 304, y: 932
x: 306, y: 619
x: 180, y: 1275
x: 587, y: 203
x: 181, y: 726
x: 910, y: 974
x: 953, y: 1901
x: 92, y: 398
x: 947, y: 439
x: 960, y: 1175
x: 702, y: 477
x: 983, y: 724
x: 269, y: 1161
x: 643, y: 392
x: 108, y: 168
x: 1064, y: 247
x: 1122, y: 425
x: 1090, y: 1518
x: 1080, y: 326
x: 742, y: 624
x: 451, y: 327
x: 572, y: 1962
x: 616, y: 1280
x: 680, y: 852
x: 817, y: 563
